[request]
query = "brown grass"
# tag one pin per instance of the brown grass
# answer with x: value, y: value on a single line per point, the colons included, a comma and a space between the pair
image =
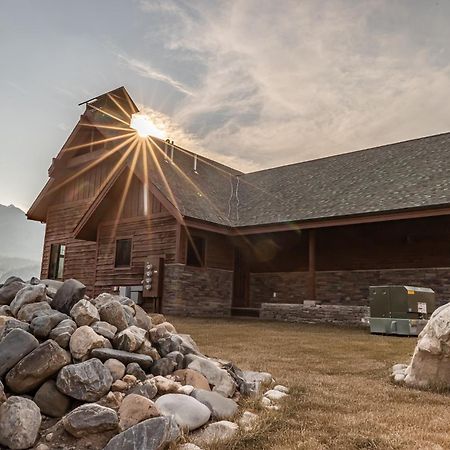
x: 341, y: 396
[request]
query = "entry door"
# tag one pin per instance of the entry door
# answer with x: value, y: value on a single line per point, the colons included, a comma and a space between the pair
x: 240, y: 281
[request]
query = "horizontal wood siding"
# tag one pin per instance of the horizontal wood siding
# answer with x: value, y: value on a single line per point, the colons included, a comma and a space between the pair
x: 150, y: 235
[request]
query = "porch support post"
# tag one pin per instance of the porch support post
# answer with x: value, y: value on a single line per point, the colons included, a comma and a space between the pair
x: 311, y: 264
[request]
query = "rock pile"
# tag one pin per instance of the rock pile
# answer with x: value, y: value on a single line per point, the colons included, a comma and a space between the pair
x: 73, y: 367
x: 430, y: 364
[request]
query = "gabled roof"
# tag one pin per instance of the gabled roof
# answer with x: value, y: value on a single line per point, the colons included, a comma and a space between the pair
x: 403, y: 176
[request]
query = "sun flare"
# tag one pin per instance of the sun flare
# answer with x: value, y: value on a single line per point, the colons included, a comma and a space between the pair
x: 145, y: 126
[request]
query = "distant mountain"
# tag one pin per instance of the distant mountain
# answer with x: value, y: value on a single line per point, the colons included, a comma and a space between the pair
x: 21, y: 242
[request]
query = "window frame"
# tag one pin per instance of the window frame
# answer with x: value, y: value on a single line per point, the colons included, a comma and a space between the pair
x: 54, y: 265
x: 203, y: 254
x: 123, y: 238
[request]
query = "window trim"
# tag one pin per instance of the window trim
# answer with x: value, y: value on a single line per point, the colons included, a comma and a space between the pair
x: 203, y: 264
x: 123, y: 238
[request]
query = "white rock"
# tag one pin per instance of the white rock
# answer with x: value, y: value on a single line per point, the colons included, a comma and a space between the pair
x: 189, y: 446
x: 248, y: 420
x: 281, y: 388
x: 186, y: 389
x: 265, y: 402
x: 217, y: 432
x: 274, y: 395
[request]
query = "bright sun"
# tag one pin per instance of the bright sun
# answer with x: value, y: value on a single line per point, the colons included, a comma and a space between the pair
x: 144, y: 126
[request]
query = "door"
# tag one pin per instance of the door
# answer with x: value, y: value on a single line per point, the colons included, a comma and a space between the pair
x: 240, y: 281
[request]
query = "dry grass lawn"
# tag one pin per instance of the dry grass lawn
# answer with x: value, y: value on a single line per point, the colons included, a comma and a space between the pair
x: 341, y: 396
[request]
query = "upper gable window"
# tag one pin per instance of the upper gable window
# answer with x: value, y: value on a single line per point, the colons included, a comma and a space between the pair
x: 123, y: 253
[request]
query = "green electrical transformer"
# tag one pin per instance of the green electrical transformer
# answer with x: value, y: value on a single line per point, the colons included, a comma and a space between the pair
x: 401, y: 310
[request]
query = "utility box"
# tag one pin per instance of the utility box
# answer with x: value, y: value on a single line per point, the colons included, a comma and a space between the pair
x: 402, y: 310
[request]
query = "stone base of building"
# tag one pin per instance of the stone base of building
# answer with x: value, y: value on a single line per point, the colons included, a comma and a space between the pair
x: 343, y: 315
x: 197, y: 291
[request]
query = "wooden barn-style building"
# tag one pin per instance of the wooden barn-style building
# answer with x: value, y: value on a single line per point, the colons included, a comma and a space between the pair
x: 145, y: 217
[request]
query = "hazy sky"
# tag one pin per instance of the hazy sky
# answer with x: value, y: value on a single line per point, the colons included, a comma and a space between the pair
x: 252, y: 83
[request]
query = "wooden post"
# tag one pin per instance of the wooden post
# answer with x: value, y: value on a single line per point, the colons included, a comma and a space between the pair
x: 312, y: 265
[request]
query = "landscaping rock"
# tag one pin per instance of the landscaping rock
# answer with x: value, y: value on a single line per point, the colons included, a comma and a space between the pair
x: 14, y: 346
x: 147, y: 389
x: 113, y: 313
x: 163, y: 367
x: 135, y: 370
x: 189, y: 446
x: 116, y: 368
x: 125, y: 357
x: 274, y: 395
x: 218, y: 432
x: 166, y: 386
x: 147, y: 349
x: 9, y: 323
x: 134, y: 409
x: 220, y: 407
x: 258, y: 377
x: 142, y: 319
x: 52, y: 286
x: 177, y: 358
x: 42, y: 325
x: 87, y: 381
x: 51, y: 401
x: 188, y: 412
x: 219, y: 378
x: 28, y: 311
x: 151, y: 434
x: 63, y: 332
x: 2, y: 393
x: 67, y: 295
x: 28, y: 294
x: 90, y: 418
x: 35, y: 368
x: 281, y: 388
x: 5, y: 310
x: 130, y: 339
x: 104, y: 329
x: 193, y: 378
x: 84, y: 313
x: 20, y: 420
x: 9, y: 290
x: 112, y: 400
x: 248, y: 420
x: 83, y: 341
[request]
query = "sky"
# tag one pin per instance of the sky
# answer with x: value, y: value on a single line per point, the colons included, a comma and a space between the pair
x: 251, y: 83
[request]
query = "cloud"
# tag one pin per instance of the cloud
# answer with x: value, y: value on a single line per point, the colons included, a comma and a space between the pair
x: 145, y: 70
x: 286, y: 82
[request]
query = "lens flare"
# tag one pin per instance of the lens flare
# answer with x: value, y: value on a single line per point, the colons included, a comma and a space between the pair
x: 145, y: 126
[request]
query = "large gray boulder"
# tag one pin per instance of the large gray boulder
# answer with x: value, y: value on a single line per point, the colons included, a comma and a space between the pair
x: 20, y: 420
x: 113, y: 312
x: 43, y: 324
x: 9, y: 290
x: 39, y: 365
x: 151, y: 434
x: 51, y: 401
x: 15, y: 346
x: 27, y: 312
x: 125, y: 357
x: 9, y: 323
x: 84, y: 313
x: 105, y: 329
x: 220, y: 407
x: 67, y: 295
x: 90, y: 418
x: 130, y: 339
x: 88, y: 381
x: 63, y: 332
x: 188, y: 412
x: 28, y: 294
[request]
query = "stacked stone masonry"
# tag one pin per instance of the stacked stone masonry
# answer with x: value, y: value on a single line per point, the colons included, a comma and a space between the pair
x: 329, y: 314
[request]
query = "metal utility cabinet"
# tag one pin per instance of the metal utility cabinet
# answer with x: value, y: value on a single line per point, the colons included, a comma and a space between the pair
x: 402, y: 310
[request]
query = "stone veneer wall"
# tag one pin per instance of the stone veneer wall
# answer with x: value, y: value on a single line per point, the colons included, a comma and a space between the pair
x: 329, y: 314
x: 344, y: 287
x: 196, y: 291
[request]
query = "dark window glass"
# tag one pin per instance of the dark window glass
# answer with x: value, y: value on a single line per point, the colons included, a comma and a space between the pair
x: 196, y: 252
x: 56, y: 268
x: 123, y: 253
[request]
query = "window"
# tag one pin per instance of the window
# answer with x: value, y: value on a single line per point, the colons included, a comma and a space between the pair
x: 56, y: 268
x: 123, y: 253
x: 196, y: 252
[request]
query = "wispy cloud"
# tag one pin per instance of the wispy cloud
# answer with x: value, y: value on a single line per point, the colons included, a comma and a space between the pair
x: 145, y: 70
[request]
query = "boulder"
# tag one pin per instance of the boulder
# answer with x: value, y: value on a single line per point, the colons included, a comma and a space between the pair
x: 112, y: 400
x: 15, y: 346
x: 142, y: 319
x: 105, y: 329
x: 125, y: 357
x: 9, y: 291
x: 52, y: 286
x: 151, y: 434
x: 147, y: 389
x: 20, y: 420
x: 135, y: 370
x: 114, y: 313
x: 67, y: 295
x: 177, y: 358
x: 9, y: 323
x: 158, y: 332
x: 51, y: 402
x: 88, y: 381
x: 281, y: 388
x: 157, y: 318
x: 147, y: 349
x: 215, y: 433
x: 274, y: 395
x: 116, y: 368
x: 189, y: 446
x: 248, y: 420
x: 130, y: 339
x: 220, y: 407
x: 84, y: 313
x: 83, y: 341
x: 165, y: 385
x: 35, y: 368
x: 134, y: 409
x: 63, y: 332
x: 28, y: 294
x: 90, y: 418
x: 42, y: 325
x: 219, y: 378
x: 28, y: 311
x: 5, y: 310
x: 257, y: 377
x: 163, y: 367
x: 2, y: 393
x: 188, y: 412
x: 192, y: 378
